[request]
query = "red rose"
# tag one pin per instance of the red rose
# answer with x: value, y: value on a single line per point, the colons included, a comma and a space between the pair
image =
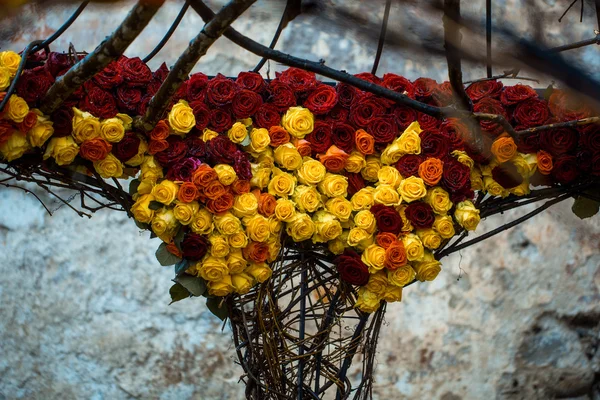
x: 176, y: 151
x: 183, y: 170
x: 299, y: 80
x: 456, y: 176
x: 338, y: 114
x: 424, y: 88
x: 585, y: 159
x: 364, y: 110
x: 221, y: 119
x: 57, y: 63
x: 246, y: 103
x: 398, y: 84
x: 241, y: 166
x: 404, y: 116
x: 490, y: 106
x: 267, y: 116
x: 202, y: 114
x: 220, y: 90
x: 34, y: 83
x: 596, y: 164
x: 516, y: 94
x: 109, y: 77
x: 143, y: 104
x: 455, y: 131
x: 558, y: 141
x: 351, y: 268
x: 194, y: 246
x: 135, y: 72
x: 434, y: 144
x: 507, y: 175
x: 408, y: 165
x: 281, y: 95
x: 98, y: 102
x: 383, y: 129
x: 320, y: 138
x: 442, y: 94
x: 195, y: 147
x: 369, y: 77
x: 321, y: 100
x: 485, y: 89
x: 388, y: 219
x: 221, y: 150
x: 161, y: 73
x: 590, y: 139
x: 343, y: 136
x: 196, y: 87
x: 532, y: 112
x: 128, y: 99
x: 568, y: 107
x: 420, y: 214
x: 355, y: 183
x: 127, y: 147
x: 251, y: 81
x: 529, y: 143
x: 63, y: 122
x: 428, y: 122
x: 565, y: 169
x: 346, y: 94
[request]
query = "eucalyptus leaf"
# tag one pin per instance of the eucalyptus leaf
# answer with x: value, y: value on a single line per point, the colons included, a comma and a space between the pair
x: 133, y: 186
x: 155, y: 205
x: 195, y: 285
x: 213, y: 305
x: 179, y: 237
x: 165, y: 257
x: 181, y: 266
x: 584, y: 207
x: 178, y: 292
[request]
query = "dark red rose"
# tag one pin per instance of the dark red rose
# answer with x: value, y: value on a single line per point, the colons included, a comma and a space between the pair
x: 196, y: 147
x: 183, y: 169
x: 34, y: 83
x: 143, y: 104
x: 516, y: 94
x: 251, y: 81
x: 585, y: 159
x: 456, y: 176
x: 355, y: 183
x: 590, y: 139
x: 176, y: 151
x: 485, y: 89
x: 568, y: 107
x: 246, y: 103
x: 221, y: 150
x: 128, y: 99
x: 351, y: 269
x: 221, y: 119
x: 152, y: 87
x: 196, y: 87
x: 127, y: 147
x: 595, y: 169
x: 202, y: 114
x: 346, y: 94
x: 369, y: 77
x: 532, y: 112
x: 398, y: 84
x: 434, y: 144
x: 299, y: 80
x: 558, y: 141
x: 343, y: 136
x: 99, y: 102
x: 220, y: 90
x: 507, y: 175
x: 404, y: 116
x: 338, y: 114
x: 321, y: 100
x: 63, y: 122
x: 194, y: 246
x: 320, y: 138
x: 161, y: 73
x: 242, y: 166
x: 529, y: 143
x: 442, y: 94
x: 565, y: 169
x: 424, y: 88
x: 181, y: 94
x: 388, y: 219
x: 408, y: 165
x: 364, y: 110
x: 490, y: 106
x: 281, y: 95
x: 109, y: 77
x: 455, y: 131
x: 383, y: 129
x: 57, y: 63
x: 135, y: 71
x: 420, y: 214
x: 267, y: 116
x: 428, y: 122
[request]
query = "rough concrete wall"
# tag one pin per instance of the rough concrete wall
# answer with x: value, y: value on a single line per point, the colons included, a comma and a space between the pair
x: 83, y: 303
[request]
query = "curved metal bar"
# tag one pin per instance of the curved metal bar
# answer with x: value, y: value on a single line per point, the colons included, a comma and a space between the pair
x: 386, y: 16
x: 169, y: 33
x: 63, y: 28
x: 13, y: 84
x: 280, y: 27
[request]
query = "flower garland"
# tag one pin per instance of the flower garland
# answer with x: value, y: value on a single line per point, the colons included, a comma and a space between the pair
x: 237, y: 164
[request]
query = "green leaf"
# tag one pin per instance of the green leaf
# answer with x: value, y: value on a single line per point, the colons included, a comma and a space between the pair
x: 181, y: 266
x: 133, y: 186
x: 195, y: 285
x: 165, y: 257
x: 584, y: 207
x: 213, y: 305
x: 155, y: 205
x: 179, y: 237
x: 141, y: 225
x: 548, y: 92
x: 178, y: 292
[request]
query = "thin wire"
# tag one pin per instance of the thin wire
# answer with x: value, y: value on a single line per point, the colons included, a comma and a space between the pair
x: 386, y: 16
x: 280, y: 27
x: 63, y: 28
x: 169, y: 33
x: 13, y: 84
x: 567, y: 10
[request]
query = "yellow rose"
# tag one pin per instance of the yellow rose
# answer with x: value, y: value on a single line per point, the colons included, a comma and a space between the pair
x: 238, y: 240
x: 275, y: 225
x: 367, y: 301
x: 181, y: 118
x: 246, y: 121
x: 520, y: 190
x: 406, y: 224
x: 307, y: 198
x: 238, y: 132
x: 524, y: 167
x: 164, y: 224
x: 355, y: 163
x: 439, y: 200
x: 10, y: 60
x: 213, y: 269
x: 428, y: 268
x: 236, y: 263
x: 413, y: 246
x: 138, y: 159
x: 259, y: 140
x: 301, y: 227
x: 389, y: 176
x: 371, y: 169
x: 531, y: 160
x: 140, y: 209
x: 476, y: 179
x: 282, y: 184
x: 242, y: 283
x: 430, y: 238
x: 151, y: 170
x: 208, y: 134
x: 86, y: 126
x: 112, y: 130
x: 165, y: 192
x: 373, y: 257
x: 16, y: 109
x: 408, y: 143
x: 494, y: 188
x: 225, y: 173
x: 145, y: 187
x: 386, y: 195
x: 285, y: 210
x: 260, y: 176
x: 298, y: 121
x: 327, y: 227
x: 42, y: 130
x: 16, y: 146
x: 467, y: 215
x: 219, y: 245
x: 220, y: 288
x: 378, y: 282
x: 444, y: 225
x: 266, y: 159
x: 392, y: 293
x: 359, y: 236
x: 340, y: 207
x: 184, y: 212
x: 274, y: 248
x: 412, y: 188
x: 261, y: 272
x: 227, y: 223
x: 62, y: 149
x: 288, y: 156
x: 401, y: 276
x: 363, y: 199
x: 4, y: 78
x: 463, y: 158
x: 245, y: 205
x: 334, y: 185
x: 257, y: 228
x: 109, y: 167
x: 126, y: 120
x: 202, y: 223
x: 366, y: 220
x: 336, y: 246
x: 311, y: 172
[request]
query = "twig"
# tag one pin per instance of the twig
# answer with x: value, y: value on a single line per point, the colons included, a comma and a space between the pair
x: 30, y: 192
x: 568, y: 124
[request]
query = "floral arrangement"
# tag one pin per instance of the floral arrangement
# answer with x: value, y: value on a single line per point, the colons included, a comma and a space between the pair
x: 236, y: 166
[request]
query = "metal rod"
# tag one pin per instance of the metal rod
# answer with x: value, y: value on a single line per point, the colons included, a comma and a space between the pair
x: 386, y: 15
x: 488, y: 36
x: 169, y: 33
x: 576, y: 45
x: 63, y: 28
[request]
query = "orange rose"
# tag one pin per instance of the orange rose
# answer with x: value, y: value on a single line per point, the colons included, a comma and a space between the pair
x: 431, y: 170
x: 256, y: 251
x: 278, y: 136
x: 173, y: 249
x: 240, y: 186
x: 156, y: 146
x: 203, y: 175
x: 213, y: 190
x: 365, y: 143
x: 544, y: 162
x: 266, y: 203
x: 95, y: 149
x: 187, y: 192
x: 504, y: 148
x: 334, y: 160
x: 160, y: 131
x: 221, y: 204
x: 386, y: 239
x: 395, y: 256
x: 303, y: 147
x: 28, y: 122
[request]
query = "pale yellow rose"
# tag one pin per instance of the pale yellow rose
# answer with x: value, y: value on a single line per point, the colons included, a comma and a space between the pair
x: 202, y: 223
x: 164, y: 224
x: 363, y: 199
x: 401, y: 276
x: 392, y: 293
x: 16, y: 146
x: 282, y: 184
x: 301, y: 227
x: 165, y: 192
x: 428, y: 268
x: 378, y: 282
x: 408, y: 143
x: 388, y: 175
x: 413, y: 246
x: 476, y: 179
x: 412, y: 188
x: 17, y: 109
x: 430, y: 238
x: 371, y: 170
x: 355, y: 163
x: 444, y: 225
x: 266, y: 159
x: 10, y: 60
x: 238, y: 240
x: 439, y: 200
x: 213, y: 269
x: 208, y: 134
x: 184, y: 212
x: 227, y: 223
x: 494, y: 188
x: 260, y: 272
x: 298, y: 121
x: 220, y: 288
x: 367, y: 301
x: 531, y: 160
x: 62, y: 149
x: 307, y: 198
x: 467, y: 215
x: 225, y: 173
x: 327, y: 227
x: 334, y: 185
x: 86, y: 126
x: 336, y: 246
x: 386, y: 195
x: 366, y: 220
x: 181, y: 118
x: 288, y: 156
x: 285, y: 210
x: 257, y: 228
x: 151, y: 170
x: 260, y: 176
x: 238, y: 133
x: 463, y: 158
x: 374, y: 257
x: 141, y: 209
x: 219, y: 245
x: 126, y: 120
